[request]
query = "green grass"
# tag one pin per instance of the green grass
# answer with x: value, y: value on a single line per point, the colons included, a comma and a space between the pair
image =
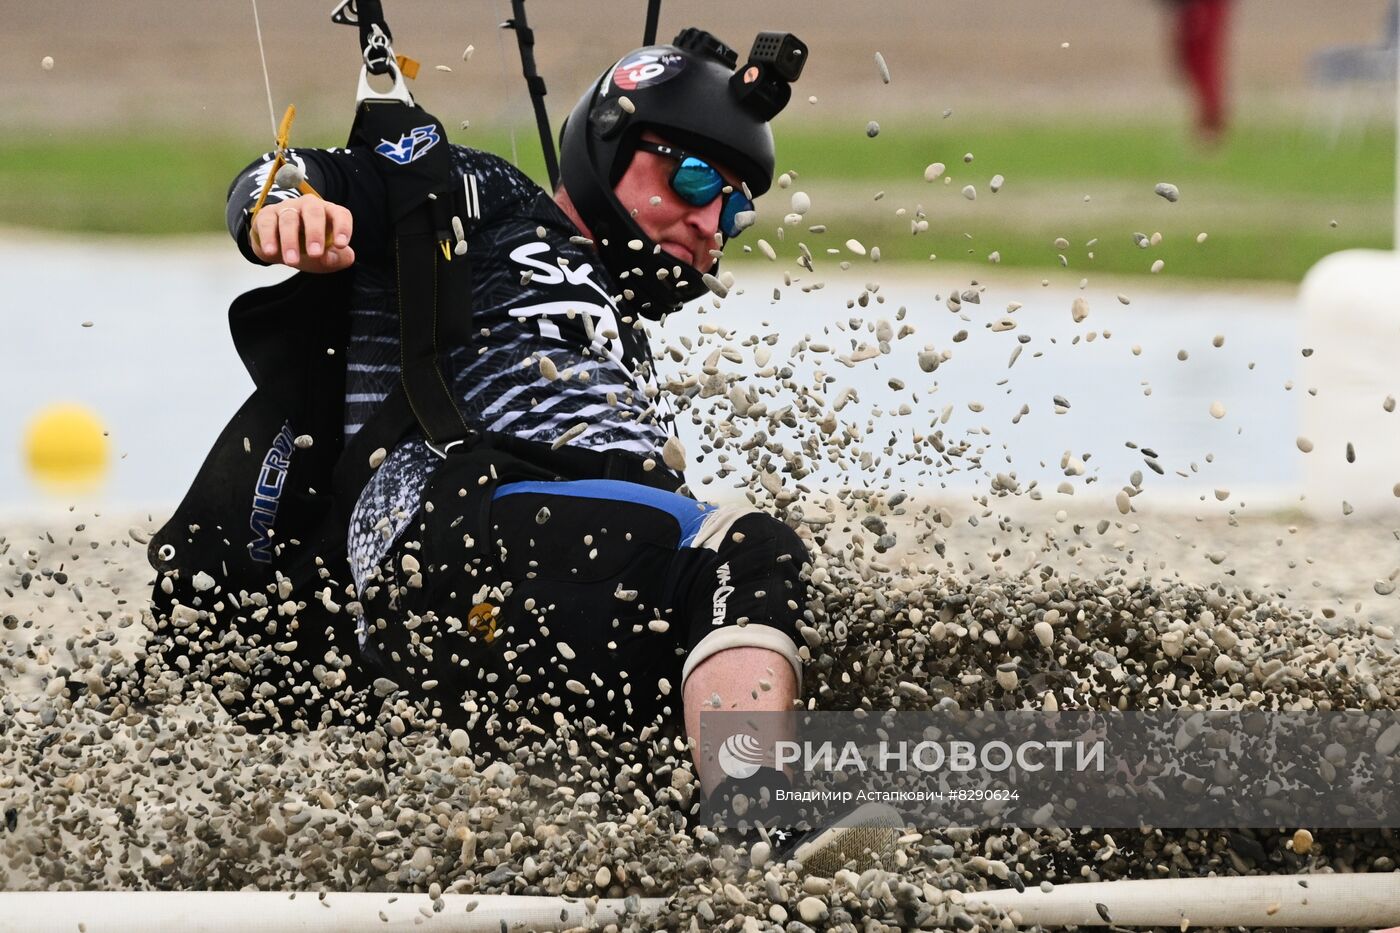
x: 1272, y: 161
x: 1266, y: 197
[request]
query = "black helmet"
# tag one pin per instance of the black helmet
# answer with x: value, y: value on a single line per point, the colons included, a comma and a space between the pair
x: 688, y: 93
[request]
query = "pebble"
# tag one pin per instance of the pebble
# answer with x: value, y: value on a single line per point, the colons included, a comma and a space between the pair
x: 1079, y: 310
x: 1304, y: 444
x: 996, y: 183
x: 673, y: 454
x: 1217, y: 410
x: 884, y: 69
x: 812, y: 909
x: 1168, y: 191
x: 46, y: 63
x: 969, y: 192
x: 573, y: 432
x: 872, y: 129
x: 934, y: 171
x: 1302, y: 842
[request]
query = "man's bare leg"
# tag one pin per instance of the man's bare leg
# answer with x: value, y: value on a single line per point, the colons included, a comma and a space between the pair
x: 738, y: 676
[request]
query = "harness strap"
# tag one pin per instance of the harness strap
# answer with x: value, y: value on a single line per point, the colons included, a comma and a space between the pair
x: 427, y: 290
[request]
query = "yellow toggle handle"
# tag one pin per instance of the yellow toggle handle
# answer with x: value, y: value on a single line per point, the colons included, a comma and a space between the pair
x: 284, y: 134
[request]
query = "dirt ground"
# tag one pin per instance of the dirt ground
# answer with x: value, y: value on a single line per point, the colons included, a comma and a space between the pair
x: 195, y: 66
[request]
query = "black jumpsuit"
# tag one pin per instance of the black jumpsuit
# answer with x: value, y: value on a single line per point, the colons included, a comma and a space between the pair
x: 594, y: 598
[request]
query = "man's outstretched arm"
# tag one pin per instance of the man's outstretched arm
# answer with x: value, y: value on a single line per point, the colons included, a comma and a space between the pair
x: 304, y: 232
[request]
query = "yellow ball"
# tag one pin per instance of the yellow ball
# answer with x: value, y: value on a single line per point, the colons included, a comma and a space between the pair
x: 66, y: 446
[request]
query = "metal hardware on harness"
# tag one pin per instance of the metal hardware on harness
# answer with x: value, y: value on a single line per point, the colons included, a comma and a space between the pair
x: 442, y: 451
x: 346, y: 13
x: 379, y: 58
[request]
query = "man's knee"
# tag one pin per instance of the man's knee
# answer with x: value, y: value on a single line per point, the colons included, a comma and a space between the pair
x: 760, y: 533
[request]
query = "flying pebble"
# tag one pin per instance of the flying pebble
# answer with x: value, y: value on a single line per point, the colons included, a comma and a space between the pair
x: 573, y: 432
x: 969, y: 192
x: 934, y: 171
x: 1217, y: 410
x: 716, y: 286
x: 872, y: 129
x: 996, y: 183
x: 884, y: 69
x: 46, y: 63
x: 673, y: 454
x: 1167, y: 190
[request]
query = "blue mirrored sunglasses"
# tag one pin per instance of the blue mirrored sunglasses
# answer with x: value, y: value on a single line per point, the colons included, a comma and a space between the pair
x: 697, y: 182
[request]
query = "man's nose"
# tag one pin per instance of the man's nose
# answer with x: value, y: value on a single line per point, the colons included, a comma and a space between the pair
x: 704, y: 220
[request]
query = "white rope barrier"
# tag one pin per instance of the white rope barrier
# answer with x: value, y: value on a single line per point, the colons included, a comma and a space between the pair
x: 240, y: 911
x: 1359, y: 900
x: 1355, y: 900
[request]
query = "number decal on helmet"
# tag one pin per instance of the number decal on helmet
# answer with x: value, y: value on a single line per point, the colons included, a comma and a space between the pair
x: 645, y: 69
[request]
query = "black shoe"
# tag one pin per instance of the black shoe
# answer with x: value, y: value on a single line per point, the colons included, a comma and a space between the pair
x: 862, y: 839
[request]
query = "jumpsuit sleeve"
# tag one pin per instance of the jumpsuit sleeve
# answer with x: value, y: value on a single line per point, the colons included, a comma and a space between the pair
x: 342, y: 176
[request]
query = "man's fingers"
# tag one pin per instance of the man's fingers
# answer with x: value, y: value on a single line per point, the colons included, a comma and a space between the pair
x: 313, y: 225
x: 289, y: 230
x: 265, y: 234
x: 309, y: 234
x: 340, y: 223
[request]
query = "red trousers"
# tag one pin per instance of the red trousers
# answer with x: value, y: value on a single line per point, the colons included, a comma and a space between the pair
x: 1200, y: 54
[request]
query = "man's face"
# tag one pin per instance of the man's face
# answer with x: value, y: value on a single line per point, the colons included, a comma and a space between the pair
x: 685, y: 232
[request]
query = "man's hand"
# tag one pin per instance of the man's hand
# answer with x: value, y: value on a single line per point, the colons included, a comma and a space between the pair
x: 307, y: 233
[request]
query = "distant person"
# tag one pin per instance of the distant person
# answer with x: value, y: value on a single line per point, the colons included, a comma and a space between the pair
x: 1198, y: 46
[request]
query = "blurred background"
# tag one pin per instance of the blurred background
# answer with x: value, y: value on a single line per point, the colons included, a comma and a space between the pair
x: 124, y: 123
